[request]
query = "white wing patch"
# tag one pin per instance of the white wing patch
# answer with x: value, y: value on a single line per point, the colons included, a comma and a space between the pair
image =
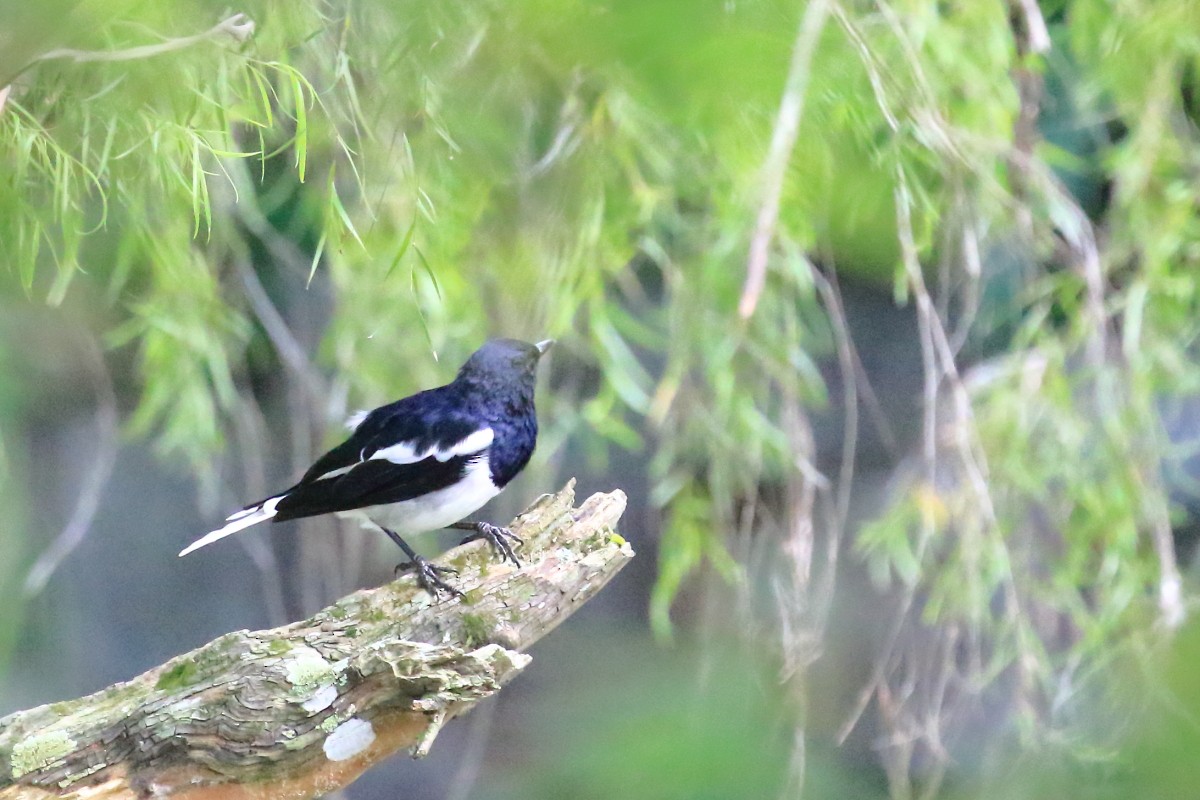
x: 471, y: 444
x: 405, y: 453
x: 436, y: 509
x: 334, y: 473
x: 356, y: 419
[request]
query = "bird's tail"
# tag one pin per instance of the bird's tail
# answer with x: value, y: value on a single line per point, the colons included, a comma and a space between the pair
x: 236, y: 522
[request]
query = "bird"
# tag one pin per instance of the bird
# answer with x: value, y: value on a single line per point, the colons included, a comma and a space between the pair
x: 424, y: 462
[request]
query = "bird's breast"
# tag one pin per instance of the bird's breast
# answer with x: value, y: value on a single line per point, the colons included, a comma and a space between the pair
x: 512, y: 446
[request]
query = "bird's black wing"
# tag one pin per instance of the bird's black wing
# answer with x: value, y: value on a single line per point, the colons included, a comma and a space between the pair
x: 371, y: 483
x: 398, y: 452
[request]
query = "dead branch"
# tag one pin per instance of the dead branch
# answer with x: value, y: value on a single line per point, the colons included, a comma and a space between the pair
x: 304, y: 709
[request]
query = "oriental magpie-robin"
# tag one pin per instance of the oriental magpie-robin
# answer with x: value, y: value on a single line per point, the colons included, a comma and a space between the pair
x: 424, y: 462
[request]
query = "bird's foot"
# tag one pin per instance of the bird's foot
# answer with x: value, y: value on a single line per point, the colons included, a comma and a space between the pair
x: 500, y: 539
x: 429, y: 576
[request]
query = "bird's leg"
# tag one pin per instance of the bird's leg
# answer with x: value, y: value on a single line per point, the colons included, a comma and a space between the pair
x: 498, y: 537
x: 427, y: 573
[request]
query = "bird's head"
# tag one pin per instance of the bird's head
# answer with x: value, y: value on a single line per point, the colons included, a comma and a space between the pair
x: 504, y: 359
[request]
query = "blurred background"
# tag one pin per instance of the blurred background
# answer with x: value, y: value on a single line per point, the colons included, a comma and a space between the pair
x: 884, y: 315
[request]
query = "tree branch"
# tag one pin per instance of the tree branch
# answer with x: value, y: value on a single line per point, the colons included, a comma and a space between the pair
x: 302, y: 710
x: 239, y: 27
x: 783, y: 139
x: 104, y: 459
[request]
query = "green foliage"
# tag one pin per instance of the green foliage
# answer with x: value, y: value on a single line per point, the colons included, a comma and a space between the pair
x: 1039, y: 530
x: 687, y: 543
x: 510, y: 160
x: 1147, y: 753
x: 121, y: 175
x: 696, y: 726
x: 593, y: 172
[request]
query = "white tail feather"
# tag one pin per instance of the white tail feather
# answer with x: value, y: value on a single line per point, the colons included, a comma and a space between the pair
x: 239, y: 521
x: 245, y: 512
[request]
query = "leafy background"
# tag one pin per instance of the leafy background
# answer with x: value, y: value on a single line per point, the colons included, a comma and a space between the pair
x: 882, y: 312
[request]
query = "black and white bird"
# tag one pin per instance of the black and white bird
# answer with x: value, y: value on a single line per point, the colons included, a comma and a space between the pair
x: 425, y: 462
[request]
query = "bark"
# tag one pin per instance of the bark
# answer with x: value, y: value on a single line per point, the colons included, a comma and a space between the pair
x: 304, y: 709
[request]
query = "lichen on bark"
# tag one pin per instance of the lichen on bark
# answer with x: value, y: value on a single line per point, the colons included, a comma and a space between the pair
x: 305, y: 708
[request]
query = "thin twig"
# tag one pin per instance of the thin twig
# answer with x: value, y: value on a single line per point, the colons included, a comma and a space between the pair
x: 250, y: 215
x: 797, y: 766
x: 1030, y: 37
x: 291, y: 352
x: 883, y: 661
x: 248, y: 427
x: 874, y: 74
x: 972, y: 263
x: 479, y: 729
x: 846, y: 351
x: 783, y: 139
x: 1029, y: 172
x: 240, y: 27
x: 874, y: 406
x: 92, y: 491
x: 1170, y: 583
x: 1036, y: 37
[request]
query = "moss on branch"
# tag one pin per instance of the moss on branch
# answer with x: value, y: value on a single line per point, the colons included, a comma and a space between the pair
x: 303, y: 709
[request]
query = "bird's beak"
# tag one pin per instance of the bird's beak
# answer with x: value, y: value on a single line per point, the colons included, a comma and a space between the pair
x: 543, y: 346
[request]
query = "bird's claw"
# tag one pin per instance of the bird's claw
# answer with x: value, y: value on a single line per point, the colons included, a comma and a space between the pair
x: 499, y: 538
x: 428, y: 576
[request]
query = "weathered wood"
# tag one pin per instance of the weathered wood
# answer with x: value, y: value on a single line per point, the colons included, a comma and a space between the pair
x: 302, y: 710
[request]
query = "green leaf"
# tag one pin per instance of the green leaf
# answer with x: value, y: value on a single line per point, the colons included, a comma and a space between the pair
x: 405, y: 243
x: 301, y: 138
x: 316, y: 259
x: 340, y: 209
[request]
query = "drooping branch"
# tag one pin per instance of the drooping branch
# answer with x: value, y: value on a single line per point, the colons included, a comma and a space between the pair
x: 238, y: 27
x: 302, y: 710
x: 783, y: 139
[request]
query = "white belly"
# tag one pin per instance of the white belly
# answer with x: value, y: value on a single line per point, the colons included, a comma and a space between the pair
x: 435, y: 510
